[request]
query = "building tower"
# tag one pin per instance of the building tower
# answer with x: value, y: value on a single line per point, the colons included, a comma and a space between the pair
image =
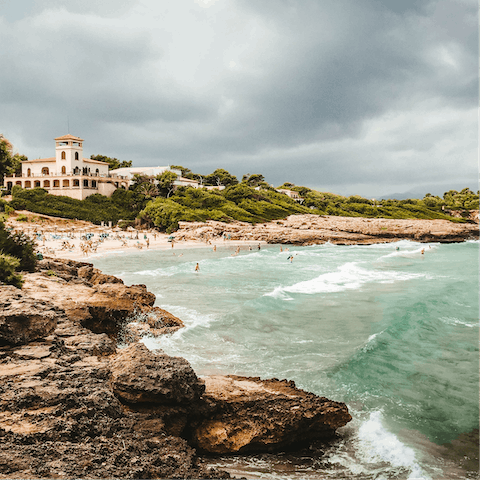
x: 69, y: 154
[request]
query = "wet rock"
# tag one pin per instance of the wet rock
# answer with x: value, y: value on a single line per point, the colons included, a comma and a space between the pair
x: 139, y: 375
x: 253, y: 415
x: 23, y: 319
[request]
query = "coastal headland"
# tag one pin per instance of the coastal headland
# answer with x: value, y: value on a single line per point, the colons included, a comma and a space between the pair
x: 75, y: 405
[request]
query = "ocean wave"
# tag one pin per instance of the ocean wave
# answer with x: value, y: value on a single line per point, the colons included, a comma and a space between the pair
x: 457, y: 321
x: 349, y: 276
x: 378, y: 444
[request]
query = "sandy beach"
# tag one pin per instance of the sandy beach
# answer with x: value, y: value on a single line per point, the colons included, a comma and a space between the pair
x: 80, y: 240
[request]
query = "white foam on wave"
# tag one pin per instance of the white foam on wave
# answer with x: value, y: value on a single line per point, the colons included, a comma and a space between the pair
x: 378, y: 444
x: 457, y: 321
x: 158, y: 272
x: 349, y: 276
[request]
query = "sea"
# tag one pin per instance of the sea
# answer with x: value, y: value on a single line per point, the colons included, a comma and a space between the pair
x: 389, y: 330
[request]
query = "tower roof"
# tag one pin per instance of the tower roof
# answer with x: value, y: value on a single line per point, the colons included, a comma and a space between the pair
x: 69, y: 137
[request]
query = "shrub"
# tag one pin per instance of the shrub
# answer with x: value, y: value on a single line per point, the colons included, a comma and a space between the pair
x: 20, y: 246
x: 8, y: 266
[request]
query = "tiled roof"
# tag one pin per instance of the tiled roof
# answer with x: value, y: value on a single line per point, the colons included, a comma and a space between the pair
x: 69, y: 137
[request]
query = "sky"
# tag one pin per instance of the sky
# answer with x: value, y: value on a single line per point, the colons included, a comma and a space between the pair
x: 364, y: 97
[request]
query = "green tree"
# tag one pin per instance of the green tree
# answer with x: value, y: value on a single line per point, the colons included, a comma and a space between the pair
x: 6, y: 156
x: 221, y: 177
x: 253, y: 180
x: 165, y: 183
x: 113, y: 163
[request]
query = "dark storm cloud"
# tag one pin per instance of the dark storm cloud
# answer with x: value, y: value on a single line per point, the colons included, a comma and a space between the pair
x: 336, y: 94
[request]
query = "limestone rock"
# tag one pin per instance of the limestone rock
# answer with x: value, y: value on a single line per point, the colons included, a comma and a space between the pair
x: 23, y: 319
x: 139, y: 375
x: 253, y: 415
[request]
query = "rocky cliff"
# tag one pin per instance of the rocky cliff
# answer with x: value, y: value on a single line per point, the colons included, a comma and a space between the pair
x: 74, y: 405
x: 315, y: 229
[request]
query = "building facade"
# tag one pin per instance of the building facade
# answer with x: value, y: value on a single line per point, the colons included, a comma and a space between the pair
x: 68, y: 173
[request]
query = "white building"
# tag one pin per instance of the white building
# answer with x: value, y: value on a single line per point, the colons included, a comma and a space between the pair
x: 68, y: 173
x: 292, y: 194
x: 129, y: 172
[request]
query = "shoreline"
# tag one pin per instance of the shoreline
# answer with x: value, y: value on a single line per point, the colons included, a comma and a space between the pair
x: 80, y: 240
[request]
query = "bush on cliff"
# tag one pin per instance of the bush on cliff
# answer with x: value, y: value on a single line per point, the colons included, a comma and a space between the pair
x: 20, y: 246
x: 8, y: 267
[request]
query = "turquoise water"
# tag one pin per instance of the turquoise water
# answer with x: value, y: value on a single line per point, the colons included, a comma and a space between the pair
x: 393, y: 333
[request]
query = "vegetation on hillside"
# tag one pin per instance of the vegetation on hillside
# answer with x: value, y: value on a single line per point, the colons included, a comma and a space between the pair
x: 122, y: 205
x: 17, y: 253
x: 157, y: 202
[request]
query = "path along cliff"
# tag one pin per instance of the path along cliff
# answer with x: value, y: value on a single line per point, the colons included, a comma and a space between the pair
x: 74, y: 405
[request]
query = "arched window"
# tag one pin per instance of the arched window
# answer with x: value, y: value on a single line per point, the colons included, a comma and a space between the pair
x: 64, y: 156
x: 66, y: 183
x: 64, y: 170
x: 76, y: 155
x: 29, y: 172
x: 46, y: 183
x: 97, y: 172
x: 18, y: 182
x: 45, y: 171
x: 37, y: 184
x: 28, y: 184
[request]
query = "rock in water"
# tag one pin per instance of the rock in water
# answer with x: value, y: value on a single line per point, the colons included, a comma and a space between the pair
x: 139, y: 376
x: 24, y: 319
x: 253, y: 415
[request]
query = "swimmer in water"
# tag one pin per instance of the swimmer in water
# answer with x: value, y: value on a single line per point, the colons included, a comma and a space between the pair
x: 423, y: 251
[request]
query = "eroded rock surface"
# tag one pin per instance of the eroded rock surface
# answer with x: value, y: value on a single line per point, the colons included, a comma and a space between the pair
x: 23, y: 319
x: 317, y: 229
x: 253, y: 415
x: 73, y: 406
x: 139, y: 375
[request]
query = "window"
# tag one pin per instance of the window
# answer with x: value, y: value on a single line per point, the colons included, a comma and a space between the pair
x: 28, y: 184
x: 76, y: 155
x: 45, y: 171
x: 56, y: 183
x: 29, y: 172
x: 76, y: 183
x: 20, y: 183
x: 37, y: 183
x: 66, y: 183
x: 64, y: 170
x: 46, y: 183
x: 64, y: 156
x: 85, y: 183
x: 97, y: 171
x: 94, y: 184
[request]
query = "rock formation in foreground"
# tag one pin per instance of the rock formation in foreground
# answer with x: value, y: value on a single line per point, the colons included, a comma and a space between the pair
x: 74, y: 406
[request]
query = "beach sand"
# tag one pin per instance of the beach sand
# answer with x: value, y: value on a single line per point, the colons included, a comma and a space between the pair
x: 64, y: 238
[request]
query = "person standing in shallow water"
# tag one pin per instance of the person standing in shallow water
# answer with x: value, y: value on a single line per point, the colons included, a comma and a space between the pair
x: 197, y: 267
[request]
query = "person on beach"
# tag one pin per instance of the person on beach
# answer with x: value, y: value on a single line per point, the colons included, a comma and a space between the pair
x: 173, y: 242
x: 197, y: 267
x: 148, y: 243
x: 214, y: 248
x: 259, y: 246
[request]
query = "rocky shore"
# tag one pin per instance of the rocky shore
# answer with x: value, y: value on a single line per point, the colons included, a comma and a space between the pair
x: 315, y: 229
x: 75, y: 405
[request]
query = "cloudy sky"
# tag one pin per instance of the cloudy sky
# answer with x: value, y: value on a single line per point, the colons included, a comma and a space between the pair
x: 365, y: 97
